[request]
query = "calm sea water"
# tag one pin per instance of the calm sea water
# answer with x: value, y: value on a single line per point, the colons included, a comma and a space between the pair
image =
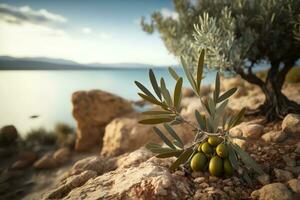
x: 48, y: 93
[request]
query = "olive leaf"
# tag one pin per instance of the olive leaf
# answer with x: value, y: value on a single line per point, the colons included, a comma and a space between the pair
x: 156, y: 112
x: 217, y: 89
x: 227, y: 94
x: 201, y: 120
x: 156, y: 119
x: 200, y: 70
x: 154, y: 83
x: 247, y: 160
x: 174, y: 135
x: 237, y: 119
x: 165, y: 92
x: 151, y: 99
x: 182, y: 159
x: 189, y: 75
x: 232, y: 157
x: 144, y: 89
x: 177, y: 94
x: 173, y: 73
x: 163, y: 137
x: 173, y: 153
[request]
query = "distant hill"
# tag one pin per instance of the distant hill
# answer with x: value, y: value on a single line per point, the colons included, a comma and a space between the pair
x: 42, y: 63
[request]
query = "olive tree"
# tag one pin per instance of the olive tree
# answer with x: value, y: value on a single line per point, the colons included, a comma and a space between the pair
x: 238, y: 35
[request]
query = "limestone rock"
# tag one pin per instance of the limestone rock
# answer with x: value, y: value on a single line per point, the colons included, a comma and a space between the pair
x: 146, y: 181
x: 8, y: 135
x: 274, y: 136
x: 125, y: 135
x: 97, y: 164
x: 274, y: 191
x: 71, y: 183
x: 134, y: 158
x: 253, y: 131
x: 62, y: 155
x: 93, y: 110
x: 46, y: 162
x: 283, y: 175
x: 291, y: 125
x: 294, y: 184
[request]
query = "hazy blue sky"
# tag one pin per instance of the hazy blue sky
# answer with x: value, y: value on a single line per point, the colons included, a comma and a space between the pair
x: 85, y: 31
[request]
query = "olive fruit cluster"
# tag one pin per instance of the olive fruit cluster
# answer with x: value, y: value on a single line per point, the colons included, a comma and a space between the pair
x: 212, y: 155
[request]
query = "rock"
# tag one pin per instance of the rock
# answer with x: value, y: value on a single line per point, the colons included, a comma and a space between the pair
x: 291, y: 125
x: 240, y: 142
x: 294, y: 184
x: 62, y: 155
x: 264, y: 179
x: 274, y: 136
x: 283, y: 175
x: 93, y: 110
x: 290, y: 162
x: 236, y: 131
x: 134, y: 158
x: 274, y: 191
x: 146, y: 181
x: 8, y: 135
x: 25, y: 160
x: 46, y: 162
x: 126, y: 135
x: 253, y: 131
x: 94, y: 163
x: 71, y: 183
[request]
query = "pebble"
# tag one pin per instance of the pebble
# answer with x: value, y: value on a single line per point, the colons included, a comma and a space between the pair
x: 203, y: 185
x: 199, y: 180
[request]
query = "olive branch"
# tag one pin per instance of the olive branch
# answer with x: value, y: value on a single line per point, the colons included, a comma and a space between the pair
x: 214, y: 122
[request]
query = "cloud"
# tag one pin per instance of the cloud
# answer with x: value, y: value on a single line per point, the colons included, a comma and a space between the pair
x: 166, y: 13
x: 86, y: 30
x: 24, y: 14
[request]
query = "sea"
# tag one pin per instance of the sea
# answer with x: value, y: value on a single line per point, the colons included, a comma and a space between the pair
x: 47, y: 94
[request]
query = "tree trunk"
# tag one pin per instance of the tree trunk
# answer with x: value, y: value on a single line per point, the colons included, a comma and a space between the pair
x: 276, y: 105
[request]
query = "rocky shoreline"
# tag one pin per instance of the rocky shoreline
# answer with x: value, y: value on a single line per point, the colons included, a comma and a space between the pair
x: 110, y: 162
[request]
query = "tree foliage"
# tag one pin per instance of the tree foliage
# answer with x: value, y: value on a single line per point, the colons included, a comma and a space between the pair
x: 237, y: 36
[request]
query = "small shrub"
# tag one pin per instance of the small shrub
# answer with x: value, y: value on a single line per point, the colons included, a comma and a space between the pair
x: 40, y: 136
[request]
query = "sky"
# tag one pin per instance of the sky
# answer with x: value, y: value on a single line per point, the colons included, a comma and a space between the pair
x: 86, y: 31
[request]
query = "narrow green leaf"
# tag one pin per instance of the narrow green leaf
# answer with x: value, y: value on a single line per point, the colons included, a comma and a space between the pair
x: 237, y: 119
x: 201, y: 120
x: 156, y: 112
x: 152, y: 145
x: 189, y: 75
x: 161, y: 150
x: 217, y: 88
x: 173, y: 134
x: 181, y: 159
x: 205, y: 103
x: 144, y: 89
x: 165, y: 92
x: 233, y: 158
x: 177, y: 94
x: 150, y: 99
x: 247, y: 160
x: 154, y: 83
x: 200, y: 70
x: 221, y: 108
x: 156, y: 120
x: 212, y: 107
x: 173, y: 73
x: 177, y: 144
x: 227, y: 94
x: 170, y: 154
x: 163, y: 137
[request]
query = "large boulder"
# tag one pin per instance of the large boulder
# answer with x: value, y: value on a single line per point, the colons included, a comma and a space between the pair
x: 125, y: 135
x: 93, y: 110
x: 62, y: 155
x: 8, y: 135
x: 274, y: 191
x: 291, y: 125
x: 145, y: 181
